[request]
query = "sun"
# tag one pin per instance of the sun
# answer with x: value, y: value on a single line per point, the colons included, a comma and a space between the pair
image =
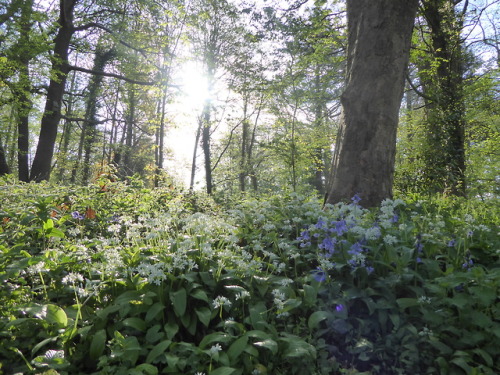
x: 193, y: 86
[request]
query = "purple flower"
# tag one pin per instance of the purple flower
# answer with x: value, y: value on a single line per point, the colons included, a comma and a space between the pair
x: 319, y: 275
x: 356, y: 248
x: 356, y: 199
x: 340, y: 227
x: 395, y: 218
x: 339, y: 308
x: 320, y: 224
x: 419, y: 260
x: 328, y: 245
x: 452, y: 243
x: 304, y: 236
x: 78, y: 216
x: 370, y: 269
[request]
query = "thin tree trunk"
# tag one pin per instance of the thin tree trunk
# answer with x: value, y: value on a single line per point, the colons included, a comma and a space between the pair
x: 4, y: 166
x: 23, y: 96
x: 42, y: 162
x: 205, y: 144
x: 379, y: 36
x: 89, y: 130
x: 195, y: 153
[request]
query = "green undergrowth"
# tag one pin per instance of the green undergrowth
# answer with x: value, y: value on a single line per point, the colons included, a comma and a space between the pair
x: 119, y: 279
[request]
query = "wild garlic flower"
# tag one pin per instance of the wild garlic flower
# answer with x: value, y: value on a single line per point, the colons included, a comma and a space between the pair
x: 220, y: 301
x: 215, y: 349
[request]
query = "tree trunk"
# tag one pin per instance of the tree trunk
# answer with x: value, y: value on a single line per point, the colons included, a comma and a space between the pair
x: 4, y: 166
x: 24, y: 105
x: 195, y: 153
x: 41, y: 167
x: 205, y: 144
x: 379, y: 36
x: 446, y: 111
x: 89, y: 130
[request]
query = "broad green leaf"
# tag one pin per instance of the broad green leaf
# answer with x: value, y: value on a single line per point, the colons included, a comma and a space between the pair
x: 49, y: 224
x: 268, y: 344
x: 215, y: 337
x: 97, y: 344
x: 204, y: 314
x: 310, y: 294
x: 147, y: 369
x: 223, y: 371
x: 157, y: 350
x: 153, y: 311
x: 56, y: 315
x: 171, y: 328
x: 237, y: 347
x: 317, y: 317
x: 199, y: 294
x: 179, y: 300
x: 404, y: 303
x: 136, y: 323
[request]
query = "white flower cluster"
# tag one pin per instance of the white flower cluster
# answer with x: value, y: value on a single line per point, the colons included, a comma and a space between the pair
x: 154, y: 273
x: 220, y: 301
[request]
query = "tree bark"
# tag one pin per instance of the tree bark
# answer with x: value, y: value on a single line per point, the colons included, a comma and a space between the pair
x: 379, y: 36
x: 42, y: 162
x: 4, y: 166
x: 445, y: 164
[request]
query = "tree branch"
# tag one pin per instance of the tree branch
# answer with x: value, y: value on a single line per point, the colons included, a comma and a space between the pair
x: 415, y: 88
x: 113, y: 75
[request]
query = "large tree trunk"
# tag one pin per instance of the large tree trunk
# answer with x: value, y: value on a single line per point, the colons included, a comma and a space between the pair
x: 41, y: 167
x: 379, y: 36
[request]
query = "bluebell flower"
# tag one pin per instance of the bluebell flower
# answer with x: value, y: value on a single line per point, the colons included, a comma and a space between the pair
x: 395, y: 218
x: 320, y: 224
x: 355, y: 199
x: 78, y: 216
x: 339, y: 307
x: 419, y: 260
x: 452, y: 243
x: 340, y: 227
x: 328, y: 244
x: 319, y: 275
x: 356, y: 248
x: 370, y: 269
x: 305, y: 244
x: 304, y: 236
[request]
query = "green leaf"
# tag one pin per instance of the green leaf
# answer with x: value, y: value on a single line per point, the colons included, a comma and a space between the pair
x: 199, y: 294
x: 56, y: 315
x: 204, y: 314
x: 97, y: 345
x: 157, y: 350
x: 485, y: 356
x: 213, y: 338
x: 462, y: 363
x: 223, y: 371
x: 49, y: 224
x: 153, y: 311
x: 147, y: 369
x: 179, y: 300
x: 237, y: 347
x: 317, y: 317
x: 268, y: 344
x: 404, y: 303
x: 171, y: 328
x: 310, y: 294
x: 136, y: 323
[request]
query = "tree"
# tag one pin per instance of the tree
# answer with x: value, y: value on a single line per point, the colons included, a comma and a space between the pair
x: 379, y: 36
x: 42, y: 163
x: 441, y: 73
